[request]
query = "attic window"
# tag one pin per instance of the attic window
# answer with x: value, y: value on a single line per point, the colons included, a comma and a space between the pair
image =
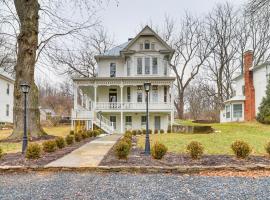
x: 153, y: 46
x: 146, y: 44
x: 141, y: 46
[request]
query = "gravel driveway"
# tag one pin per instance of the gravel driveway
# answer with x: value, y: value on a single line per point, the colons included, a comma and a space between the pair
x: 71, y: 185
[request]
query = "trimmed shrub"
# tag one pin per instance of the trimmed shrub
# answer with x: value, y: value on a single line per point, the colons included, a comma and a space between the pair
x: 158, y: 151
x: 33, y: 151
x: 95, y: 133
x: 169, y: 130
x: 134, y: 132
x: 69, y: 139
x: 267, y: 148
x: 128, y: 132
x: 162, y: 131
x: 78, y: 136
x: 156, y: 131
x: 89, y: 133
x: 195, y: 149
x: 49, y: 146
x: 122, y: 149
x: 150, y: 131
x: 241, y: 149
x: 71, y: 132
x: 84, y: 135
x: 144, y: 131
x: 128, y: 135
x: 1, y: 152
x: 127, y: 140
x: 139, y: 132
x: 60, y: 142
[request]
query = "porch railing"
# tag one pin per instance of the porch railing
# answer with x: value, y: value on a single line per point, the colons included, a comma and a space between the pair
x: 81, y: 114
x: 131, y: 106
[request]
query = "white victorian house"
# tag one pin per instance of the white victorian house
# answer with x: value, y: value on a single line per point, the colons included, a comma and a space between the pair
x: 6, y: 98
x: 115, y: 99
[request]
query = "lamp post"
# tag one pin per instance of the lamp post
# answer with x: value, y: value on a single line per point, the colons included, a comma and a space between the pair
x: 147, y: 86
x: 99, y: 114
x: 25, y: 89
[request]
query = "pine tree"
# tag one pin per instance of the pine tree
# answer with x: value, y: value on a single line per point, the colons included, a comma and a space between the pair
x: 264, y: 109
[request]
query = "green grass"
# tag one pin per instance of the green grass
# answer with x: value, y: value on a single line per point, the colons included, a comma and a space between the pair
x: 257, y: 135
x: 11, y: 147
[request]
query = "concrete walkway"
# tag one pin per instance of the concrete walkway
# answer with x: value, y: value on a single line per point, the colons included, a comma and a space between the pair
x: 88, y: 155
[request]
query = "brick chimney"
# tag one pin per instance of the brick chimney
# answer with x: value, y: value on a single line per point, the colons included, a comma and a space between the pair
x: 249, y: 87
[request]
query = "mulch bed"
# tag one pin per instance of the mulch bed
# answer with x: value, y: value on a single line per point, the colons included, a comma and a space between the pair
x: 16, y: 159
x: 136, y: 158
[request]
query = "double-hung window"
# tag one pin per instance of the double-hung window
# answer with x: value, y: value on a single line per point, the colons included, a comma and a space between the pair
x: 154, y: 65
x: 237, y: 110
x: 228, y: 111
x: 7, y: 110
x: 165, y: 94
x: 154, y: 93
x: 143, y: 120
x: 128, y: 94
x: 128, y: 120
x: 165, y: 67
x: 8, y: 86
x: 128, y: 67
x: 139, y: 94
x: 112, y: 70
x: 147, y: 65
x: 146, y: 44
x: 139, y: 66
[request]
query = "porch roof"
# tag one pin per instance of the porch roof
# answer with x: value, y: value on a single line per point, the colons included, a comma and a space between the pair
x: 235, y: 98
x: 123, y: 80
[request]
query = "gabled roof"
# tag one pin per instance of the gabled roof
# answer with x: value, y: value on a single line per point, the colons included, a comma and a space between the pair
x: 6, y: 77
x: 118, y: 50
x: 147, y: 31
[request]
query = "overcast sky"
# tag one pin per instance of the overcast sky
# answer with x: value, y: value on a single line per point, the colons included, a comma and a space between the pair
x: 123, y: 20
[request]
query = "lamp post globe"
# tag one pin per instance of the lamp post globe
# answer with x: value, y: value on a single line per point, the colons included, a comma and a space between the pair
x: 147, y: 87
x: 25, y: 90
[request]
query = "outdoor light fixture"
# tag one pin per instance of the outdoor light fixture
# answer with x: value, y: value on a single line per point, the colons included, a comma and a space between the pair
x: 25, y: 89
x: 147, y: 87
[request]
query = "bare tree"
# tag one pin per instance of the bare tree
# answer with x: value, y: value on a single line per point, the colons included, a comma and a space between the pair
x: 37, y: 24
x: 223, y: 62
x: 255, y: 6
x: 192, y: 48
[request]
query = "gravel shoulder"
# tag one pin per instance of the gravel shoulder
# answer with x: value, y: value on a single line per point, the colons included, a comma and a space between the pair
x: 72, y: 185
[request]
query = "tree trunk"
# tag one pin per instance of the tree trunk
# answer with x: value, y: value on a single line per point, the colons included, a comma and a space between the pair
x: 27, y: 11
x: 180, y: 106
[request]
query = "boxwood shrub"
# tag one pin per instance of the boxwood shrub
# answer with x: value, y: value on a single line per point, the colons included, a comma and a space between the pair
x: 49, y: 146
x: 195, y: 149
x: 69, y: 139
x: 60, y: 142
x: 33, y: 151
x: 158, y: 151
x: 241, y: 149
x: 267, y: 148
x: 122, y: 149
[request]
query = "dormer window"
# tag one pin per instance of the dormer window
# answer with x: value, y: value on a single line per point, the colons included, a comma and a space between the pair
x: 152, y: 46
x: 146, y: 44
x: 141, y: 46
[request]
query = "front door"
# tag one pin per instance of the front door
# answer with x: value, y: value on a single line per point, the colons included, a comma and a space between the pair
x: 113, y: 120
x: 113, y: 100
x: 157, y: 122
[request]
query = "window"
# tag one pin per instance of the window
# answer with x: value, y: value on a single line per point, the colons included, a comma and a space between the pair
x: 128, y: 121
x: 139, y: 65
x: 112, y: 70
x: 243, y: 90
x: 237, y: 110
x: 139, y: 97
x: 153, y: 46
x: 154, y: 65
x: 141, y: 46
x: 128, y: 94
x: 146, y: 44
x: 165, y: 67
x: 7, y: 110
x: 147, y: 65
x: 228, y: 111
x: 155, y: 93
x: 165, y: 94
x: 143, y: 120
x: 139, y: 87
x: 128, y: 67
x: 8, y: 88
x: 113, y: 121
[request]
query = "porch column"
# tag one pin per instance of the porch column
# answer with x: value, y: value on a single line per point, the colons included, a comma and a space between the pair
x: 95, y: 96
x: 121, y: 104
x: 75, y: 94
x: 172, y: 106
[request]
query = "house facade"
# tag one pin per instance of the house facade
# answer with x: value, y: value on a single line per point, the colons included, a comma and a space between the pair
x: 6, y: 98
x: 250, y: 88
x: 115, y: 99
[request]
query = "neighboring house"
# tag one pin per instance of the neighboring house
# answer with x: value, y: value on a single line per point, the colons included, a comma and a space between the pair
x: 6, y: 98
x: 115, y: 98
x: 250, y: 90
x: 46, y: 114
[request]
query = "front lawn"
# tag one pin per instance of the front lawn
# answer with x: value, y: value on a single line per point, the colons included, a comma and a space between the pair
x: 216, y: 143
x: 12, y: 147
